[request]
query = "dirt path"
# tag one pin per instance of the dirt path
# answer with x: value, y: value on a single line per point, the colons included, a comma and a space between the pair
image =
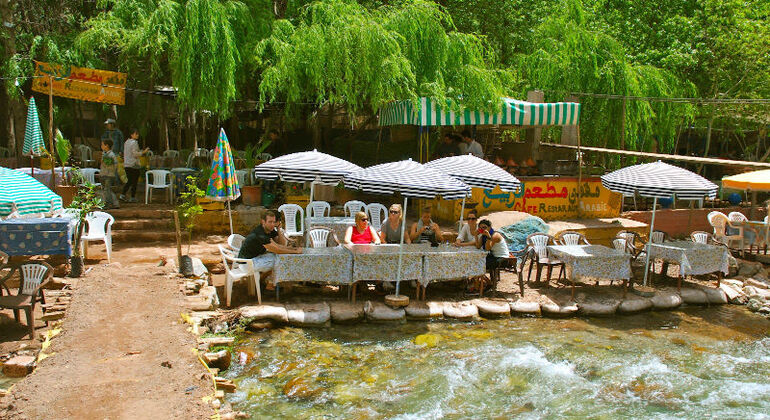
x: 122, y: 354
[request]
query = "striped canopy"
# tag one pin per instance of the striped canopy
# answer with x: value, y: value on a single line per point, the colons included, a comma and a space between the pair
x: 659, y: 180
x: 409, y: 178
x: 475, y: 172
x: 513, y: 112
x: 223, y: 184
x: 312, y: 166
x: 33, y: 135
x: 26, y: 194
x: 755, y: 181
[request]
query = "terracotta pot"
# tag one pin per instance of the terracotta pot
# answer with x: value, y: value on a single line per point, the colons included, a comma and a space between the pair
x: 252, y: 195
x: 67, y: 193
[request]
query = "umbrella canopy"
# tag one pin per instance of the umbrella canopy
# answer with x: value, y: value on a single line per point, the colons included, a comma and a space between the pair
x: 409, y: 178
x: 755, y: 181
x: 312, y: 166
x: 33, y: 135
x: 223, y: 184
x: 26, y: 194
x: 475, y: 172
x: 659, y: 180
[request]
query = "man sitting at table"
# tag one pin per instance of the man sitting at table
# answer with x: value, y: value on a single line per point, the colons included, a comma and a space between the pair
x: 264, y: 242
x: 362, y: 232
x: 425, y: 230
x: 493, y: 242
x: 469, y: 231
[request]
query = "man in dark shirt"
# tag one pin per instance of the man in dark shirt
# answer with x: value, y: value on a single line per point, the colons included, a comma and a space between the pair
x: 264, y: 242
x: 447, y: 147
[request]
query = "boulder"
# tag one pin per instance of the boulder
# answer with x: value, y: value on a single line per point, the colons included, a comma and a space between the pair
x: 554, y: 309
x: 424, y: 310
x: 715, y: 296
x: 308, y: 314
x: 379, y: 312
x: 460, y: 310
x: 748, y: 268
x: 274, y: 312
x: 525, y: 308
x: 604, y: 307
x: 632, y: 306
x: 666, y: 300
x: 346, y: 313
x: 19, y: 366
x: 755, y: 292
x: 759, y: 284
x: 754, y: 305
x: 731, y: 291
x: 492, y: 307
x: 218, y: 359
x: 692, y: 296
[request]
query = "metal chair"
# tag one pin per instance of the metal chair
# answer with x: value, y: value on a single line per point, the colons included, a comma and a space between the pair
x: 319, y: 236
x: 290, y: 213
x: 377, y: 214
x: 89, y: 176
x: 237, y: 269
x: 34, y: 277
x: 571, y: 238
x: 354, y: 206
x: 235, y: 242
x: 318, y: 209
x: 538, y: 245
x: 161, y: 180
x: 99, y: 225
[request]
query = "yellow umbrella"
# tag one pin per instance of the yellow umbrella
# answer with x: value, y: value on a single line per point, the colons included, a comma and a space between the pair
x: 754, y: 181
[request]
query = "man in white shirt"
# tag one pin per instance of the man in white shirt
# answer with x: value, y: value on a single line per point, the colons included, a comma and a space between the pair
x: 468, y: 231
x: 471, y: 146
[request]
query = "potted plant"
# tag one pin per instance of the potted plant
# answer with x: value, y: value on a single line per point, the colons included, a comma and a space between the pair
x: 188, y: 209
x: 65, y: 190
x: 85, y: 201
x: 252, y: 194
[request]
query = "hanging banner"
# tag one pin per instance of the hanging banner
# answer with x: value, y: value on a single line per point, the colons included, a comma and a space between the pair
x: 80, y: 83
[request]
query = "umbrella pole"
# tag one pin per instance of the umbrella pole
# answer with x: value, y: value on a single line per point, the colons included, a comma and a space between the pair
x: 462, y: 213
x: 649, y: 239
x: 230, y: 216
x: 401, y: 247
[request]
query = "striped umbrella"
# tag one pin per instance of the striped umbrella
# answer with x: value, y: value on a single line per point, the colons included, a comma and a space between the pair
x: 25, y: 195
x: 411, y: 179
x: 659, y: 180
x: 314, y: 167
x: 33, y: 135
x: 475, y: 172
x: 223, y: 184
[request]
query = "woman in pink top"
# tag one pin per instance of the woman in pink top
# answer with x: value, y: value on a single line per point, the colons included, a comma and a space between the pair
x: 362, y: 232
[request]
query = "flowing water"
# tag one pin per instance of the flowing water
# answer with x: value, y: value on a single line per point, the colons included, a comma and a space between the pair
x: 692, y: 363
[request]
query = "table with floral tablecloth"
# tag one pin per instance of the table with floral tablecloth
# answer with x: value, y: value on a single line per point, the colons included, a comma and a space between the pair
x: 693, y: 258
x: 339, y: 225
x: 380, y: 262
x: 332, y: 265
x: 593, y: 261
x: 48, y: 236
x: 450, y: 263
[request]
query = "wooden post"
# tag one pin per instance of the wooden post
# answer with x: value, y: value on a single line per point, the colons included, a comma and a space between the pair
x: 178, y: 240
x: 623, y: 132
x: 50, y: 132
x: 580, y: 172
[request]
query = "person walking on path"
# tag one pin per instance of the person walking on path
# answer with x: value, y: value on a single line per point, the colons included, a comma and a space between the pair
x: 131, y: 161
x: 107, y: 174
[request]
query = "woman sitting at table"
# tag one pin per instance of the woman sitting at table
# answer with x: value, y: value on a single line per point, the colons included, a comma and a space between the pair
x: 469, y: 231
x: 391, y: 232
x: 493, y: 242
x: 362, y: 232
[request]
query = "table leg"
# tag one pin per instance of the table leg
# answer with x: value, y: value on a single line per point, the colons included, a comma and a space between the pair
x: 625, y: 287
x: 424, y: 291
x: 719, y: 279
x: 417, y: 292
x: 354, y: 288
x: 679, y: 283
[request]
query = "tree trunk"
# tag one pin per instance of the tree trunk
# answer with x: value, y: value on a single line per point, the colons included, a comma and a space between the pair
x: 708, y: 140
x: 79, y: 111
x: 8, y: 42
x: 164, y: 125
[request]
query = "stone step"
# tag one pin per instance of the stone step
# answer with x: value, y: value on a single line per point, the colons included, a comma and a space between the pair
x: 142, y: 213
x: 143, y: 235
x: 155, y: 224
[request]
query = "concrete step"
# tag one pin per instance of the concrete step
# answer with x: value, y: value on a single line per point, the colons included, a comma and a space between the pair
x: 154, y: 224
x: 143, y: 236
x: 142, y: 213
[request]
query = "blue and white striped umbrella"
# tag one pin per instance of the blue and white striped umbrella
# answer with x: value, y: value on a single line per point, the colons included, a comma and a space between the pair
x: 312, y: 166
x: 409, y: 178
x: 475, y: 172
x: 26, y: 194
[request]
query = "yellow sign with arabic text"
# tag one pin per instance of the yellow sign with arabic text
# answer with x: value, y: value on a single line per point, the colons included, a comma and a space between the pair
x: 80, y: 83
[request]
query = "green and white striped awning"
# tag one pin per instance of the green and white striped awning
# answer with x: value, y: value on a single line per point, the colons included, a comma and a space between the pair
x: 513, y: 112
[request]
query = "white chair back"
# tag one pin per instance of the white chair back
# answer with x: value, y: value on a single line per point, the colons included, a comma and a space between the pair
x: 540, y: 244
x: 242, y: 175
x: 201, y: 151
x: 718, y: 221
x: 99, y: 224
x: 354, y: 206
x: 161, y: 178
x: 319, y: 237
x: 736, y: 217
x: 235, y: 241
x: 32, y: 275
x: 377, y: 214
x: 85, y: 152
x: 658, y: 237
x: 89, y: 175
x: 291, y: 226
x: 318, y: 209
x: 700, y: 237
x: 173, y: 154
x: 620, y: 245
x: 573, y: 238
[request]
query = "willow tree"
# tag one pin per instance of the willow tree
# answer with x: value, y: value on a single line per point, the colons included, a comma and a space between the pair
x: 568, y: 56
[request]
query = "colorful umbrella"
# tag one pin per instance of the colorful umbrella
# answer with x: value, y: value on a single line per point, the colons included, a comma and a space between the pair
x: 223, y: 184
x: 33, y: 135
x: 25, y: 195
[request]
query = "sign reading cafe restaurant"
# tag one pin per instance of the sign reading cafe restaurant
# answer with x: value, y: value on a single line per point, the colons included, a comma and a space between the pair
x: 80, y: 83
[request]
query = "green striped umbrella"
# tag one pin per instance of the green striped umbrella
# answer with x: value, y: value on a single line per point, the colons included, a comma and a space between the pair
x: 33, y: 135
x: 25, y: 194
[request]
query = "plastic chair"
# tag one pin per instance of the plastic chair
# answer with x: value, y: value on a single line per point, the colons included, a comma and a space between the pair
x: 290, y: 212
x: 571, y: 238
x: 377, y: 214
x: 701, y: 237
x: 736, y: 220
x: 89, y: 175
x: 319, y: 236
x: 318, y: 209
x: 538, y: 244
x: 242, y: 175
x: 237, y: 269
x: 634, y: 243
x: 161, y: 179
x: 658, y: 237
x: 354, y: 206
x: 235, y: 241
x: 85, y: 154
x: 620, y: 245
x: 34, y: 277
x: 264, y: 156
x: 173, y: 154
x: 99, y: 228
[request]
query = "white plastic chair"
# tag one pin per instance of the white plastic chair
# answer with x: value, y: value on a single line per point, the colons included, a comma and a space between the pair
x: 173, y: 154
x: 235, y: 242
x: 89, y: 174
x: 34, y: 277
x: 354, y: 206
x: 319, y: 236
x: 264, y: 156
x: 318, y: 209
x: 377, y: 214
x: 735, y: 220
x: 237, y: 269
x: 85, y: 153
x: 719, y: 222
x: 201, y: 151
x: 99, y: 228
x: 161, y: 179
x: 290, y: 212
x: 242, y: 175
x: 573, y: 238
x: 620, y: 245
x: 658, y: 236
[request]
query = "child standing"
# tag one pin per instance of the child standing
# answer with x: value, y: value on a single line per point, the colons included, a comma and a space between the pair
x: 107, y: 174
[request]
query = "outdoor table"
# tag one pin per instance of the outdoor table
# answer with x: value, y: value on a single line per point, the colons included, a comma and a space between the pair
x: 339, y: 225
x: 693, y: 258
x: 44, y: 175
x: 762, y: 230
x: 333, y: 265
x: 380, y: 262
x: 180, y: 178
x: 447, y: 262
x: 593, y: 261
x: 48, y: 236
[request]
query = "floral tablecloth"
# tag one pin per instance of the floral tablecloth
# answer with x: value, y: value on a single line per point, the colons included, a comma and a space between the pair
x: 593, y: 261
x: 49, y: 236
x: 380, y: 262
x: 440, y: 264
x: 693, y: 258
x: 321, y: 265
x: 338, y: 224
